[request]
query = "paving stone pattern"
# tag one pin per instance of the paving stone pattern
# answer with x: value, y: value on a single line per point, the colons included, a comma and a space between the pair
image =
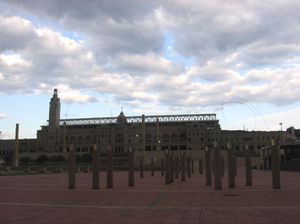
x: 45, y: 198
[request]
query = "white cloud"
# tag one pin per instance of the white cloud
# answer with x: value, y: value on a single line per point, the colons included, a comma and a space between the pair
x: 3, y: 116
x: 237, y: 49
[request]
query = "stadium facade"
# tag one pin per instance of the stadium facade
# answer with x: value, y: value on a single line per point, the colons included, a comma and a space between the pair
x: 187, y: 132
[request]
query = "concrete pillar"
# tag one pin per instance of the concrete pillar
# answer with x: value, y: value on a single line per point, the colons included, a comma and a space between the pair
x: 109, y: 172
x: 95, y: 167
x: 183, y: 166
x: 162, y: 166
x: 72, y: 167
x: 200, y: 166
x: 248, y: 166
x: 230, y: 167
x: 275, y: 165
x: 130, y: 168
x: 142, y: 167
x: 217, y: 161
x: 152, y: 166
x: 207, y: 166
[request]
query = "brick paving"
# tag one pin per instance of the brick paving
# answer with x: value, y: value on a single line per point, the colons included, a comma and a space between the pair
x: 44, y: 198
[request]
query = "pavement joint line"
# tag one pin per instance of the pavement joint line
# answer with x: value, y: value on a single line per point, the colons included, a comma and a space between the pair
x: 144, y: 190
x: 157, y: 199
x: 203, y: 208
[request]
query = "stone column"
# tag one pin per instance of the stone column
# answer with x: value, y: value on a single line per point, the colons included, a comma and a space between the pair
x: 109, y: 172
x: 230, y: 166
x: 222, y: 162
x: 188, y: 166
x: 142, y: 166
x: 248, y: 166
x: 162, y: 167
x: 171, y: 167
x: 72, y: 167
x: 183, y: 166
x: 130, y: 168
x: 176, y: 168
x: 200, y: 166
x: 17, y: 154
x: 275, y: 164
x: 218, y: 178
x: 234, y: 163
x: 192, y: 165
x: 207, y: 166
x: 167, y: 167
x: 152, y: 166
x: 95, y: 167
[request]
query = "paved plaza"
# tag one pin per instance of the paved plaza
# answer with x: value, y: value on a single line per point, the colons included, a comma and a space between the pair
x: 44, y: 198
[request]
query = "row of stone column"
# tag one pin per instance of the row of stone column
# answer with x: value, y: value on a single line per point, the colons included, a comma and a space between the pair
x: 172, y: 166
x: 95, y: 169
x: 218, y: 167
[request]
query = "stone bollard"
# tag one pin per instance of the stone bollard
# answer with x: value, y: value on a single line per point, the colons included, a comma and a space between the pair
x: 207, y: 166
x: 230, y: 167
x: 130, y: 168
x: 275, y: 165
x: 95, y: 167
x: 142, y: 167
x: 109, y: 172
x: 200, y: 166
x: 72, y: 167
x: 182, y: 166
x: 248, y: 166
x: 217, y: 163
x: 44, y: 169
x: 7, y: 169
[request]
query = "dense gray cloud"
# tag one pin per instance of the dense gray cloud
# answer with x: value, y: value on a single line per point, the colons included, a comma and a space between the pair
x: 248, y: 49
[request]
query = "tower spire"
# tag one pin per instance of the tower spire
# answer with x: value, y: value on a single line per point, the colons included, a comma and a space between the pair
x: 54, y: 111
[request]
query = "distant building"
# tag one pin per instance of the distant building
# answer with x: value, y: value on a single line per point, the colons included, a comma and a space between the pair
x: 188, y: 132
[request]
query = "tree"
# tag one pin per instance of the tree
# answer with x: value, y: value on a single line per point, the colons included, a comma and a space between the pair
x: 42, y: 159
x: 8, y: 158
x: 86, y: 158
x: 25, y: 160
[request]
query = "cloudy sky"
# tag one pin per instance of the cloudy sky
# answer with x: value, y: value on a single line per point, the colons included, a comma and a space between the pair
x: 239, y: 59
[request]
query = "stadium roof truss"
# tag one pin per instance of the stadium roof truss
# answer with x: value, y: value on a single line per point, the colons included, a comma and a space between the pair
x: 138, y: 119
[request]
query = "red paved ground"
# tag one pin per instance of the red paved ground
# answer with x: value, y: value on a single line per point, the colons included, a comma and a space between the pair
x: 45, y: 199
